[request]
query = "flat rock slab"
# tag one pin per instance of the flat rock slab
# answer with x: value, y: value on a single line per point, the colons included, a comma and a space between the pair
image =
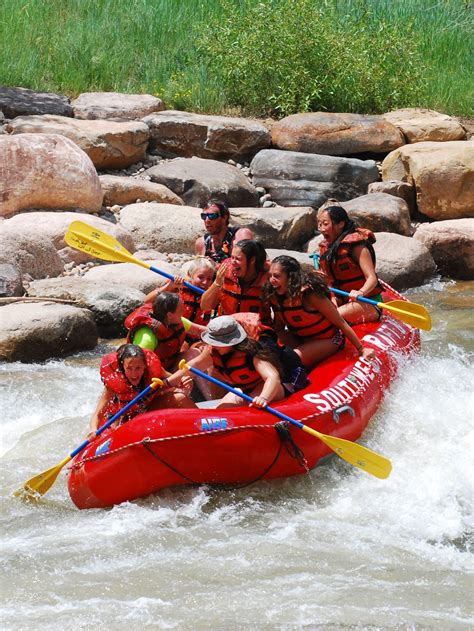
x: 305, y: 179
x: 124, y: 190
x: 420, y: 125
x: 336, y: 134
x: 443, y: 175
x: 451, y: 244
x: 109, y: 144
x: 131, y: 275
x: 186, y: 134
x: 196, y: 181
x: 115, y: 106
x: 110, y: 303
x: 24, y: 102
x: 380, y: 212
x: 43, y: 226
x: 33, y: 332
x: 46, y: 171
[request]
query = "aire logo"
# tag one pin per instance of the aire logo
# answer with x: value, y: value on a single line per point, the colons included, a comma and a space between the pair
x: 213, y: 422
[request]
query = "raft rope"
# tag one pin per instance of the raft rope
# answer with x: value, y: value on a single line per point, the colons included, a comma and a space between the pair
x: 283, y: 431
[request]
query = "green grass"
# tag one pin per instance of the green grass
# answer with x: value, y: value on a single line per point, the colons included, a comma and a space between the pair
x: 156, y: 47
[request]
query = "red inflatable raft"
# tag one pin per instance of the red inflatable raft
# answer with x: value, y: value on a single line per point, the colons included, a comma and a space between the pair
x: 236, y: 446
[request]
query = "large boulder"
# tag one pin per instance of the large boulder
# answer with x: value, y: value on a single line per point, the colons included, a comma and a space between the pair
x: 31, y: 255
x: 52, y: 227
x: 420, y: 125
x: 33, y: 332
x: 380, y: 213
x: 196, y: 181
x: 110, y: 303
x: 397, y: 188
x: 115, y: 106
x: 451, y: 244
x: 46, y: 171
x: 10, y: 281
x: 302, y: 257
x: 336, y: 134
x: 109, y: 144
x: 187, y: 134
x: 402, y: 261
x: 24, y: 102
x: 304, y: 179
x: 443, y: 175
x: 133, y: 276
x: 124, y: 190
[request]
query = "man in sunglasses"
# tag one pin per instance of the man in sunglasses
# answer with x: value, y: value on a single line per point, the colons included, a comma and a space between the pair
x: 216, y: 243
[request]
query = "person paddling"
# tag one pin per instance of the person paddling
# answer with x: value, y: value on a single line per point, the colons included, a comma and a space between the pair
x: 305, y: 317
x: 126, y: 372
x: 218, y: 240
x: 239, y: 282
x: 347, y: 258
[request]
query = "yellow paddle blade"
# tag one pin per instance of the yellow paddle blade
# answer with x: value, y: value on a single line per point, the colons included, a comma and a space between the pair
x: 355, y: 454
x: 409, y: 312
x: 93, y: 241
x: 42, y: 482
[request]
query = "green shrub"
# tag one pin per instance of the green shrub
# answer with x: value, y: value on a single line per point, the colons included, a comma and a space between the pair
x: 279, y: 57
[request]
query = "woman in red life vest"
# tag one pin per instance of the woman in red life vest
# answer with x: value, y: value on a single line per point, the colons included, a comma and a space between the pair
x: 239, y: 282
x: 199, y: 272
x: 305, y: 317
x: 241, y: 362
x: 347, y: 259
x: 125, y: 373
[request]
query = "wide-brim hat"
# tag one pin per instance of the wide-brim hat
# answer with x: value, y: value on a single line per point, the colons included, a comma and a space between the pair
x: 224, y: 331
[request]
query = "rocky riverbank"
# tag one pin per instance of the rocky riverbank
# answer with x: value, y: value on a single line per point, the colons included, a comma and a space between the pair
x: 128, y: 166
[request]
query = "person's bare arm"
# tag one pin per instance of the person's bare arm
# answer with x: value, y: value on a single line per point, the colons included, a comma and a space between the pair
x: 210, y: 298
x: 168, y: 286
x: 94, y: 421
x: 271, y: 379
x: 361, y: 256
x: 203, y: 361
x: 199, y: 246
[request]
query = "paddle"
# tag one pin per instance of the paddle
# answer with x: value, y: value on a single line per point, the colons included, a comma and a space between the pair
x: 85, y: 238
x: 44, y: 481
x: 409, y: 312
x: 355, y: 454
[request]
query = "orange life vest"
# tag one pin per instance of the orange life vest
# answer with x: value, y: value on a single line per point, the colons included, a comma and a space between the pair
x: 123, y: 391
x: 234, y: 301
x: 192, y: 307
x: 237, y: 369
x: 343, y: 272
x: 299, y: 320
x: 170, y: 337
x: 252, y: 323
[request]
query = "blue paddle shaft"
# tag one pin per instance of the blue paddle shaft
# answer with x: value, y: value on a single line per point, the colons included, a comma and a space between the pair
x: 244, y: 396
x: 142, y: 394
x: 360, y: 298
x: 198, y: 290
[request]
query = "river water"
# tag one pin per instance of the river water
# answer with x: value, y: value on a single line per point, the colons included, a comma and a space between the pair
x: 336, y: 549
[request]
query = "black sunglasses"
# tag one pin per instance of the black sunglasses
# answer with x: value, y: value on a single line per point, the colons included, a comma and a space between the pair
x: 205, y: 216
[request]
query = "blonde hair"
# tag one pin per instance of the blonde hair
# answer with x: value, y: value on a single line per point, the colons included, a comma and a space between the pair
x: 200, y: 262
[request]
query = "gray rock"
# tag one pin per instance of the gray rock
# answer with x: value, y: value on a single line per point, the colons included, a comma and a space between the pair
x: 305, y: 179
x: 127, y: 190
x: 115, y: 106
x: 196, y: 181
x: 187, y: 134
x: 397, y: 188
x: 380, y: 213
x: 402, y: 261
x: 37, y: 257
x: 451, y: 244
x: 130, y: 275
x: 10, y: 281
x: 34, y: 332
x: 21, y: 101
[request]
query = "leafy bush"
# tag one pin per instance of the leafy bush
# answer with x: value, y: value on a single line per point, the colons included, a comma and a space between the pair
x: 279, y: 57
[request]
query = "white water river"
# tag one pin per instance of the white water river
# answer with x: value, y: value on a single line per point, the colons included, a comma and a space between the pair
x: 336, y: 549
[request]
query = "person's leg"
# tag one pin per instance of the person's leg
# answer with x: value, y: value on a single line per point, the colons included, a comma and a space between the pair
x: 314, y: 351
x: 358, y: 312
x: 172, y: 398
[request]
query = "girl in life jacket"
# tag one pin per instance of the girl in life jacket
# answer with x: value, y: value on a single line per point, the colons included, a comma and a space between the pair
x: 347, y: 258
x: 239, y: 282
x: 125, y: 373
x: 305, y: 317
x: 200, y: 272
x: 241, y: 362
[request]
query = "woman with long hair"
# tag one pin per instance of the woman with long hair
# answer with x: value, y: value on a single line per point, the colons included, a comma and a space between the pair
x: 239, y: 282
x: 347, y: 258
x: 304, y: 316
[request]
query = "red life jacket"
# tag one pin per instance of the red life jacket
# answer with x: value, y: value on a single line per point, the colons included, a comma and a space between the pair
x: 299, y: 320
x: 252, y: 323
x: 170, y: 337
x: 192, y: 307
x: 236, y: 368
x: 234, y: 301
x: 343, y: 272
x: 123, y: 391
